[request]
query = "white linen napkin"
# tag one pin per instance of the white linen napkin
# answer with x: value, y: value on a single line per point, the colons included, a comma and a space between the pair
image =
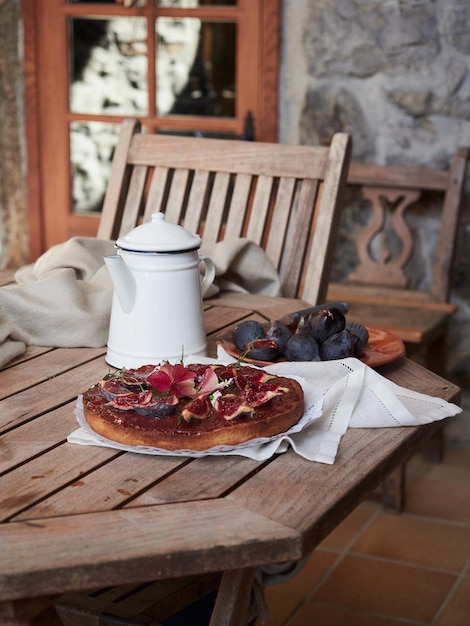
x: 354, y: 396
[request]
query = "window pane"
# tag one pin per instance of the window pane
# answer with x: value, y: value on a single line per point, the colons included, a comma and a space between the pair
x: 108, y: 73
x: 92, y: 147
x: 195, y: 67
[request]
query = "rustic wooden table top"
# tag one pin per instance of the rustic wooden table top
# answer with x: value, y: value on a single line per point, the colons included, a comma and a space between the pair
x: 77, y: 517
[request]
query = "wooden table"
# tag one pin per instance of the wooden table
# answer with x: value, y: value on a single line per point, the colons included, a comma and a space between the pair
x: 78, y: 517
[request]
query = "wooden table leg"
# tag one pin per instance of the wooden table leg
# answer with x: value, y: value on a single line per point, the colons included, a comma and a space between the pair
x: 393, y: 490
x: 233, y: 599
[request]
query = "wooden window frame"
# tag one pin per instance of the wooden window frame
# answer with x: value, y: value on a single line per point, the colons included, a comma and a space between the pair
x: 46, y: 102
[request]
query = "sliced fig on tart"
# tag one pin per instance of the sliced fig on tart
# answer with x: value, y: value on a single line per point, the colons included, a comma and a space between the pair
x: 231, y: 406
x: 112, y: 388
x: 257, y: 395
x: 251, y: 377
x: 121, y: 383
x: 225, y: 372
x: 197, y: 409
x: 133, y: 381
x: 159, y: 406
x: 128, y: 401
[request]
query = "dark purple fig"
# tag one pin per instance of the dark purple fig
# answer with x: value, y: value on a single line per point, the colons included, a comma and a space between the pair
x: 359, y: 336
x: 262, y: 350
x: 337, y: 346
x: 279, y: 333
x: 159, y: 406
x: 302, y: 346
x: 247, y: 331
x: 325, y: 323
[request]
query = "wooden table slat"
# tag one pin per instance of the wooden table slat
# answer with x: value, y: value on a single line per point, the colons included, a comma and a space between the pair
x: 53, y: 363
x: 49, y: 394
x: 107, y: 487
x: 128, y: 546
x: 37, y: 479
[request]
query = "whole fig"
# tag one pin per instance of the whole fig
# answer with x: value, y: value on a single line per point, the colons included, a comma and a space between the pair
x: 326, y: 322
x: 337, y: 346
x: 247, y: 331
x: 280, y: 334
x: 302, y: 346
x: 359, y: 336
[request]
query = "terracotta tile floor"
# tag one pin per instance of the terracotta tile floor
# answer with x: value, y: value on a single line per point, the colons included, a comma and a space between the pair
x: 383, y: 569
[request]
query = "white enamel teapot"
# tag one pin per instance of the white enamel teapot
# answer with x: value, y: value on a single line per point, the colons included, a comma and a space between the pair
x: 156, y: 312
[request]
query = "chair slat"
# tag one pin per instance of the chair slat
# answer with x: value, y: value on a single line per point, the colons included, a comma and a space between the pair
x: 196, y: 200
x: 298, y: 239
x: 260, y: 209
x: 134, y: 199
x: 116, y: 191
x: 174, y: 206
x: 238, y: 205
x: 213, y: 222
x: 227, y: 155
x: 280, y: 220
x: 156, y: 193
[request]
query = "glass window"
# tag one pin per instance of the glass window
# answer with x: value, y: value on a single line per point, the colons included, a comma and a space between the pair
x: 92, y: 147
x: 195, y: 67
x: 108, y: 66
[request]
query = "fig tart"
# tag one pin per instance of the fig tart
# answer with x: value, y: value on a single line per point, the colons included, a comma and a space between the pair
x: 193, y: 407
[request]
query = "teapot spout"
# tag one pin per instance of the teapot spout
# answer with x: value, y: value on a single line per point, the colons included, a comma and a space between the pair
x: 123, y: 281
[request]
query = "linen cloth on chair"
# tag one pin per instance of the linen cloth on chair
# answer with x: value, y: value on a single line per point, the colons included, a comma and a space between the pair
x: 64, y: 298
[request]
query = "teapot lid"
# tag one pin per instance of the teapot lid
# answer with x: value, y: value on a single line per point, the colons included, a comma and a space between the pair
x: 159, y: 236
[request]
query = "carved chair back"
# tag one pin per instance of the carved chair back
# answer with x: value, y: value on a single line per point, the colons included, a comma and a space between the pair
x: 397, y: 197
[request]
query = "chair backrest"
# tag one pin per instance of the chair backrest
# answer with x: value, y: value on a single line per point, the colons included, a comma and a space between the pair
x: 388, y: 239
x: 287, y: 199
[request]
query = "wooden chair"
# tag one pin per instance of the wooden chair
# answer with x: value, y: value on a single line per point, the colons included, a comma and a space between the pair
x: 380, y: 287
x: 379, y: 290
x: 288, y: 200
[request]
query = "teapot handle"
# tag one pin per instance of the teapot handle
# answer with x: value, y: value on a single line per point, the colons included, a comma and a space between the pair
x: 209, y: 274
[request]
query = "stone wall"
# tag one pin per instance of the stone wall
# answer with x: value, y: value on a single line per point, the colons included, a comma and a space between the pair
x: 13, y: 235
x: 396, y: 75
